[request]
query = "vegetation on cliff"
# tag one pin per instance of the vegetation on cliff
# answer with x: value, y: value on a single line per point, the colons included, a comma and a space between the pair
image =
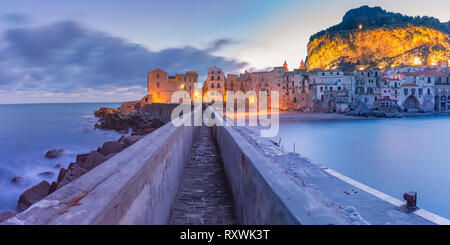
x: 376, y: 38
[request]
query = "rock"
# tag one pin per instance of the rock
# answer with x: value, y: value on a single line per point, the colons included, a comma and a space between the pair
x: 121, y: 139
x: 46, y: 174
x: 111, y: 147
x: 33, y: 195
x: 62, y: 173
x: 103, y: 111
x: 72, y: 174
x: 54, y: 153
x: 53, y: 187
x: 71, y: 164
x: 82, y: 157
x: 58, y: 166
x: 94, y: 158
x: 6, y: 215
x: 16, y: 180
x: 129, y: 140
x: 109, y: 156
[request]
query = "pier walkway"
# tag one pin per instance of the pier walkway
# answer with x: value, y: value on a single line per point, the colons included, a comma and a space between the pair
x: 204, y: 197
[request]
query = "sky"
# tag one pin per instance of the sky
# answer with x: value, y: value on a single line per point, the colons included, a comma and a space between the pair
x: 101, y: 50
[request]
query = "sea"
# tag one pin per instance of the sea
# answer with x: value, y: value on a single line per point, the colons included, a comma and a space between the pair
x: 28, y: 131
x: 392, y: 155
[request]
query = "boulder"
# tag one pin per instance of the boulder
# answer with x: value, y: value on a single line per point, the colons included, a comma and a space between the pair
x: 47, y: 174
x: 82, y: 157
x: 72, y: 174
x: 54, y: 153
x: 16, y: 180
x: 111, y: 147
x: 33, y: 195
x: 62, y: 173
x: 129, y: 140
x: 6, y: 215
x: 94, y: 158
x: 53, y: 187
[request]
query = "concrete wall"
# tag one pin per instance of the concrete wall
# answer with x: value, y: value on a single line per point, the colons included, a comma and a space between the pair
x: 262, y: 193
x: 137, y: 186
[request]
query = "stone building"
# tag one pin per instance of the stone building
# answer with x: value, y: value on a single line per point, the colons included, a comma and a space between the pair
x: 161, y: 86
x: 331, y: 91
x: 367, y: 87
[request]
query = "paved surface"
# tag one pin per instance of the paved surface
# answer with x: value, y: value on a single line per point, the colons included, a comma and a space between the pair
x: 204, y: 196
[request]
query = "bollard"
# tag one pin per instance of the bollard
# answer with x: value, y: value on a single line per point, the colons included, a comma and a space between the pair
x: 411, y: 199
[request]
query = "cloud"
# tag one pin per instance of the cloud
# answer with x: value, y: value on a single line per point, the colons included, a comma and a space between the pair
x: 219, y: 44
x: 66, y: 57
x: 15, y: 18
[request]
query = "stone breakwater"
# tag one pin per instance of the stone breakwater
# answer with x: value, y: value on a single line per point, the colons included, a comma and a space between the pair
x: 140, y: 122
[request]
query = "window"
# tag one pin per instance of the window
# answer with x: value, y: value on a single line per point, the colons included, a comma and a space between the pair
x: 157, y: 85
x: 218, y: 85
x: 212, y: 78
x: 212, y: 85
x: 429, y: 79
x: 428, y: 91
x: 406, y: 91
x: 420, y: 91
x: 413, y: 91
x: 218, y: 77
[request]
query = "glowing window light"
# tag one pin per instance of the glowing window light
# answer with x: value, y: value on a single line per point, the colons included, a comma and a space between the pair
x: 251, y: 99
x: 417, y: 61
x: 182, y: 86
x: 360, y: 26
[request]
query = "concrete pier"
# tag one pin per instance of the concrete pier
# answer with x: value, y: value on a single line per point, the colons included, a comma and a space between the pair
x: 204, y: 197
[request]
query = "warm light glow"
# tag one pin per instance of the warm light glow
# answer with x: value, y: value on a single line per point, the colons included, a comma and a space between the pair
x: 417, y: 61
x: 182, y: 86
x: 251, y: 100
x: 360, y: 26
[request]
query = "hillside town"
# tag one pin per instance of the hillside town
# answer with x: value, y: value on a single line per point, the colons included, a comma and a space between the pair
x: 420, y: 88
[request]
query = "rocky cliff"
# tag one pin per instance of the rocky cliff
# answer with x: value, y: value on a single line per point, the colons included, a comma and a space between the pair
x: 372, y: 37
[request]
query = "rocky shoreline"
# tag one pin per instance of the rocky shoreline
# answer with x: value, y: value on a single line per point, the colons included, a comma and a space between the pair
x: 141, y: 123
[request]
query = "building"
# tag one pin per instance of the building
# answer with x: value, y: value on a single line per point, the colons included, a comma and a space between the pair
x: 214, y: 84
x: 161, y: 86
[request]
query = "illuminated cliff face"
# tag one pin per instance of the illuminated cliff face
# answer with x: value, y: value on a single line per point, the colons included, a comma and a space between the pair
x: 382, y: 47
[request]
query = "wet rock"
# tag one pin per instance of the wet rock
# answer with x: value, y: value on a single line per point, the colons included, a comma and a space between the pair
x: 33, y: 195
x: 141, y: 122
x: 58, y: 166
x: 111, y: 147
x: 103, y: 111
x: 16, y: 180
x: 82, y: 157
x: 94, y: 158
x: 72, y: 174
x: 53, y: 187
x: 47, y: 174
x: 54, y: 153
x: 6, y: 215
x: 62, y: 173
x: 129, y: 140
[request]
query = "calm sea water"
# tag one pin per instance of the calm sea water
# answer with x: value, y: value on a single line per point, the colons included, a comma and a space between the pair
x: 391, y: 155
x: 28, y: 131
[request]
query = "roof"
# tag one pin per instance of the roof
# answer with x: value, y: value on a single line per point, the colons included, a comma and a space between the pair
x: 424, y: 73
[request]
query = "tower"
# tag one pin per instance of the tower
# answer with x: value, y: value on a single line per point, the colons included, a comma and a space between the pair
x: 285, y: 66
x: 302, y: 65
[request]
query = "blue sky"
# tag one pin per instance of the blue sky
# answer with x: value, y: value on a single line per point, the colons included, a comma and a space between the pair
x: 100, y: 50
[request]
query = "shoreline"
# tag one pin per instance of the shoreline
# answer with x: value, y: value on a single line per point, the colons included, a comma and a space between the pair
x: 139, y: 123
x: 321, y: 116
